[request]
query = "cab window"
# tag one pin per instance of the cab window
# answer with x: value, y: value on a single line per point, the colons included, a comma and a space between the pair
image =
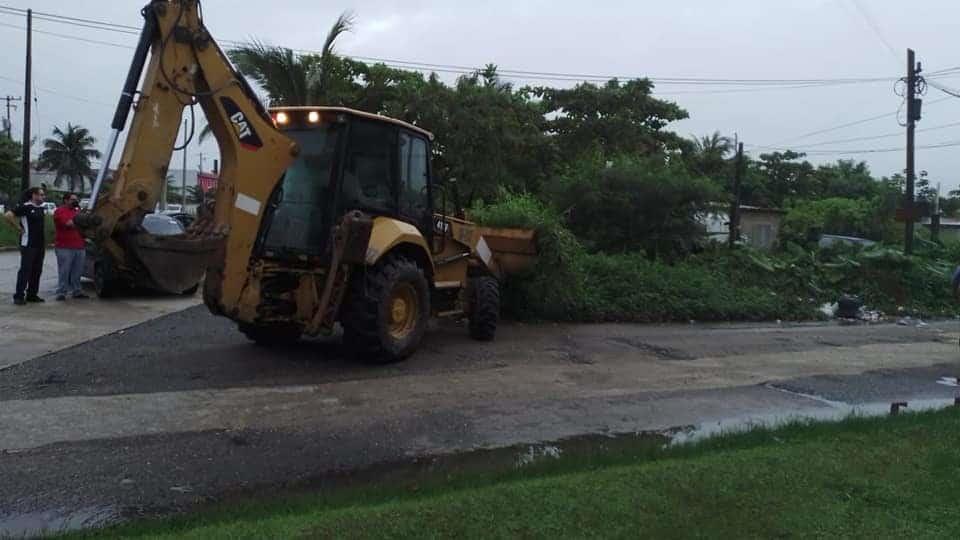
x: 414, y: 175
x: 369, y: 176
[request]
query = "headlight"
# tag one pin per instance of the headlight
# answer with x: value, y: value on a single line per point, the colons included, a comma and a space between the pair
x: 282, y: 118
x: 313, y: 117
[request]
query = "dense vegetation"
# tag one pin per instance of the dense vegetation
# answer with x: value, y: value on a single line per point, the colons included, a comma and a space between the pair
x: 619, y: 199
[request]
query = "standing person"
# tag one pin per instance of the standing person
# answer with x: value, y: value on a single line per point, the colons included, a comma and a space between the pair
x: 70, y: 247
x: 30, y: 225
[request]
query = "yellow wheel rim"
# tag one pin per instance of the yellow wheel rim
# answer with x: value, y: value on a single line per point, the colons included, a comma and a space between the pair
x: 404, y: 310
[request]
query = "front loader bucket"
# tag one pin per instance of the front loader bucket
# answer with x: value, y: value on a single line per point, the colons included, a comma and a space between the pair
x: 176, y: 263
x: 514, y: 250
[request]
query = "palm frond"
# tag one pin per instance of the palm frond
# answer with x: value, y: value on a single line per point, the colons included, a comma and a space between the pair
x: 344, y: 23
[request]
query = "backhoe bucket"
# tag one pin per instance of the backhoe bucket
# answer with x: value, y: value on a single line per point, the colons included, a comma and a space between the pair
x: 176, y: 263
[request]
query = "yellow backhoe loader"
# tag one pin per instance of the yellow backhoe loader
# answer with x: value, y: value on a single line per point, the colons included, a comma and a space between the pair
x: 321, y: 214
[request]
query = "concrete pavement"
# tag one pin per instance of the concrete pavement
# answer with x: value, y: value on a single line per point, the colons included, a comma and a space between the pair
x: 37, y: 329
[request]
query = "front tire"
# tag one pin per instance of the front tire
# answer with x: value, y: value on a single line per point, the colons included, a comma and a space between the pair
x: 386, y: 311
x: 484, y: 297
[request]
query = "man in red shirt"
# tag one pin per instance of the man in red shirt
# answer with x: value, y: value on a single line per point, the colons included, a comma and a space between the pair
x: 71, y: 248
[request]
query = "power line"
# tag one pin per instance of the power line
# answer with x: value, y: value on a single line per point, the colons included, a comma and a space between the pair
x: 461, y: 69
x: 61, y: 94
x: 945, y: 89
x: 67, y: 36
x: 854, y: 123
x: 942, y: 72
x: 875, y: 137
x: 20, y: 11
x: 946, y: 144
x: 875, y: 27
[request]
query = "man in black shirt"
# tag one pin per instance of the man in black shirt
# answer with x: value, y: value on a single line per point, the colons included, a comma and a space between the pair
x: 28, y: 217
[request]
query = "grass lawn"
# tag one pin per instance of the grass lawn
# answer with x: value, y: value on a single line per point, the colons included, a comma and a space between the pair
x: 872, y: 478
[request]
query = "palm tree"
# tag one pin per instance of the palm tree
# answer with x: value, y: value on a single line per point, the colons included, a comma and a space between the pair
x: 290, y: 78
x: 195, y: 195
x: 68, y: 154
x: 712, y: 146
x: 709, y: 152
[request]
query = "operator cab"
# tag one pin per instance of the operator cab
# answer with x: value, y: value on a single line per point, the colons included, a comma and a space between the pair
x: 348, y: 160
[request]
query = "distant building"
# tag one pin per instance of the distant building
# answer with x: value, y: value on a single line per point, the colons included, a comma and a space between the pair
x: 759, y: 227
x: 949, y: 228
x: 48, y: 178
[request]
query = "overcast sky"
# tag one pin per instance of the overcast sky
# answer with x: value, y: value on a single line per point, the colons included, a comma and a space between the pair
x: 78, y: 82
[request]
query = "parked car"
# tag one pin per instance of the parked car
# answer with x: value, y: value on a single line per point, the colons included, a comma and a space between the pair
x: 155, y: 224
x: 171, y: 209
x: 184, y: 218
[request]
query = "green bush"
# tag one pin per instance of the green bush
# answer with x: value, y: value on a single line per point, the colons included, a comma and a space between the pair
x: 635, y: 204
x: 570, y: 284
x: 866, y: 218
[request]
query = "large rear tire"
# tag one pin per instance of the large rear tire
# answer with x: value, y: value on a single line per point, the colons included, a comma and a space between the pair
x: 484, y: 294
x: 271, y: 335
x: 386, y: 311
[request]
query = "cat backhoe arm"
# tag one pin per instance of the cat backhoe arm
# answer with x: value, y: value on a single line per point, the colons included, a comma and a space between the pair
x: 181, y: 66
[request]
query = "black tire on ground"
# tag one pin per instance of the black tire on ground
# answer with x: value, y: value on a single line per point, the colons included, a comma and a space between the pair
x: 484, y: 313
x: 269, y: 336
x: 103, y: 281
x: 386, y: 311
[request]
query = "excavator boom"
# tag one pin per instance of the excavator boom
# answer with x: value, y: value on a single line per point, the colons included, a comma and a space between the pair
x: 181, y: 66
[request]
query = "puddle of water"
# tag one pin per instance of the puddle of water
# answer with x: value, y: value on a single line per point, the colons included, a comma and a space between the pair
x: 836, y: 411
x: 50, y: 522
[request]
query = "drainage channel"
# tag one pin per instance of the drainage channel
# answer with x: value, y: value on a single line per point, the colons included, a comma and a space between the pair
x: 827, y: 411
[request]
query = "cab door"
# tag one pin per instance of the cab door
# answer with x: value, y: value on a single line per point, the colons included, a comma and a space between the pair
x: 414, y: 182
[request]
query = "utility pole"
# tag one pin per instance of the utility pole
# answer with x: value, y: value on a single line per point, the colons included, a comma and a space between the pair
x: 183, y: 175
x: 735, y: 206
x: 10, y: 105
x: 913, y: 114
x: 27, y: 84
x: 935, y: 217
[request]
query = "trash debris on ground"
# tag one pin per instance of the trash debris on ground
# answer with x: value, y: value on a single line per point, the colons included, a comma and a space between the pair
x: 849, y: 309
x: 849, y: 306
x: 829, y: 310
x: 910, y: 321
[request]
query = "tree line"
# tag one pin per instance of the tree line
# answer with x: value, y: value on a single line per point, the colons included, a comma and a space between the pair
x: 601, y: 155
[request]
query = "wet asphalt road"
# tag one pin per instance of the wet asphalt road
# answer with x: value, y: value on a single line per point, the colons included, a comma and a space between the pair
x: 182, y: 410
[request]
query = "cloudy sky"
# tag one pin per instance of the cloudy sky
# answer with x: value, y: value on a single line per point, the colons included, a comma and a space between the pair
x: 78, y: 81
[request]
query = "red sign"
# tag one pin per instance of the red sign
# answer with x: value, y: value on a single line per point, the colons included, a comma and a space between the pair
x: 207, y: 182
